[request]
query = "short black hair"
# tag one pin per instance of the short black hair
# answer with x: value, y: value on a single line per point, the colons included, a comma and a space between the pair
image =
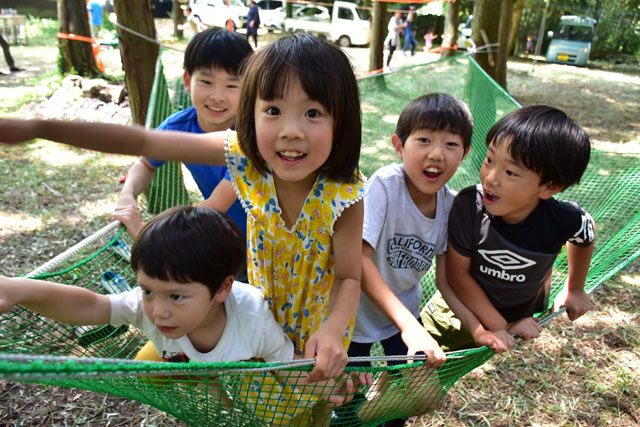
x: 190, y: 244
x: 546, y: 141
x: 216, y: 48
x: 438, y: 112
x: 326, y: 76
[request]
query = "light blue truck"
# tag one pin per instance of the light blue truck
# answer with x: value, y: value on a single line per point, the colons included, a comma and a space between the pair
x: 571, y: 43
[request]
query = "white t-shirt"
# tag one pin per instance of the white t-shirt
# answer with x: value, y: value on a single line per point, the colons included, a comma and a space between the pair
x: 393, y: 35
x: 404, y: 242
x: 251, y: 330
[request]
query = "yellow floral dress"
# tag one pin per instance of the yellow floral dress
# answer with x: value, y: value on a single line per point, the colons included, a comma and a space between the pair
x: 293, y: 267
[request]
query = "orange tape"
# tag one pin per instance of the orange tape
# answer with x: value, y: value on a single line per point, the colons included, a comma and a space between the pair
x: 95, y: 47
x: 76, y: 38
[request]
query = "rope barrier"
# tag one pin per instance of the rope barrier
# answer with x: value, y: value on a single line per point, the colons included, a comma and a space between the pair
x: 147, y: 38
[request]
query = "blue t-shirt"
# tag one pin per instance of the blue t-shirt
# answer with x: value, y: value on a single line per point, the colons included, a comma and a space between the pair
x: 96, y: 13
x: 207, y: 177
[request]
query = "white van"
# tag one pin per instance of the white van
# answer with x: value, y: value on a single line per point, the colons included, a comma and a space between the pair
x: 216, y: 13
x: 344, y: 24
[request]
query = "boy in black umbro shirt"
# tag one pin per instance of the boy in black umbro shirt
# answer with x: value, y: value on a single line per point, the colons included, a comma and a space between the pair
x: 505, y: 233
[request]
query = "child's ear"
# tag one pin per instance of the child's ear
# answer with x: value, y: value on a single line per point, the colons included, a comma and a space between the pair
x: 186, y: 79
x: 549, y: 190
x: 225, y: 289
x: 397, y: 144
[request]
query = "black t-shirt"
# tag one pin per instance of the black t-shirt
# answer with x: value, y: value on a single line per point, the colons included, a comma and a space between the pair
x: 512, y: 262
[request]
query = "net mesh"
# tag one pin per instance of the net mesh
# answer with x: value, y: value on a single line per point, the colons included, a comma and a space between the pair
x: 35, y: 349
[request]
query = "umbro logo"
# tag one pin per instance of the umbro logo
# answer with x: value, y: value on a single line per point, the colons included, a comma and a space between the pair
x: 506, y: 259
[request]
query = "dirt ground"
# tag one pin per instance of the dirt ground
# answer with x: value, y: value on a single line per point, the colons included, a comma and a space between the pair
x: 590, y: 368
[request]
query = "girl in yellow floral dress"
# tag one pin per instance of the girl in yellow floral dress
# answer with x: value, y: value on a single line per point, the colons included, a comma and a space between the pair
x: 294, y: 164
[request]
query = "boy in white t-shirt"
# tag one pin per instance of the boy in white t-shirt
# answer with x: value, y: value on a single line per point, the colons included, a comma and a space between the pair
x: 186, y: 301
x: 405, y: 227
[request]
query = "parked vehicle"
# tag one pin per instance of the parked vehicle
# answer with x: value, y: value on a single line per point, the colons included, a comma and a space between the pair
x: 272, y: 14
x: 216, y: 13
x: 571, y: 43
x: 344, y: 24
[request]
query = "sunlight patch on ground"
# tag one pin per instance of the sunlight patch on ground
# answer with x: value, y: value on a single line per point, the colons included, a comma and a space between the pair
x: 18, y: 223
x: 96, y: 208
x: 58, y: 155
x: 381, y: 144
x: 390, y: 118
x: 632, y: 280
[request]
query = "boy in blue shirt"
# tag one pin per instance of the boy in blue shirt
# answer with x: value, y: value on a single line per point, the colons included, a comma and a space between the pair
x: 505, y: 233
x: 211, y: 65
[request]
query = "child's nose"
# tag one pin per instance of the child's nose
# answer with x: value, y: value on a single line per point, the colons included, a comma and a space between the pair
x: 160, y: 310
x: 435, y: 152
x: 217, y: 93
x: 291, y: 129
x: 492, y: 177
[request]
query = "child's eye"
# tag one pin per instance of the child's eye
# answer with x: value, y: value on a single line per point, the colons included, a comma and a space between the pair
x: 176, y: 297
x: 205, y: 82
x: 424, y: 140
x: 511, y: 173
x: 488, y: 160
x: 147, y: 292
x: 313, y: 114
x: 453, y: 144
x: 232, y: 86
x: 273, y: 111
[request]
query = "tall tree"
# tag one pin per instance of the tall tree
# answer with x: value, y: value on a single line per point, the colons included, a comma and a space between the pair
x: 506, y: 19
x: 378, y: 33
x: 513, y: 36
x: 450, y: 34
x: 486, y: 23
x: 178, y: 19
x: 138, y: 55
x: 75, y: 54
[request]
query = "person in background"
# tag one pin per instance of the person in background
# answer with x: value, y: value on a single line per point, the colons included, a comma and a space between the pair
x: 409, y: 37
x: 7, y: 55
x: 253, y: 22
x: 394, y: 27
x: 429, y: 38
x: 95, y: 14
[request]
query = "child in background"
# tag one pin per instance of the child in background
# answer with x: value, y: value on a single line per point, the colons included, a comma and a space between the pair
x: 294, y: 161
x: 405, y: 228
x: 505, y: 234
x: 211, y: 64
x: 429, y: 37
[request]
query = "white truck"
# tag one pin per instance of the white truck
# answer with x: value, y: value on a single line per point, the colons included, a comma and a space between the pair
x: 344, y: 24
x: 216, y: 13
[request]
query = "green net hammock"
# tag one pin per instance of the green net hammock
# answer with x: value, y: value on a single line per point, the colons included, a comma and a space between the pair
x: 35, y: 349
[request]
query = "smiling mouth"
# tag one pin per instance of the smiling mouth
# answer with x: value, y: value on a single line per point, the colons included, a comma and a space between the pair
x: 166, y: 329
x: 216, y: 109
x: 488, y: 195
x: 291, y: 155
x: 432, y: 172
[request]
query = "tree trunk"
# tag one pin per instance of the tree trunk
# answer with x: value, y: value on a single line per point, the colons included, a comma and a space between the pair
x: 138, y: 55
x: 75, y: 54
x: 378, y: 33
x: 450, y: 29
x: 486, y: 22
x: 517, y: 14
x: 506, y: 17
x: 178, y: 20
